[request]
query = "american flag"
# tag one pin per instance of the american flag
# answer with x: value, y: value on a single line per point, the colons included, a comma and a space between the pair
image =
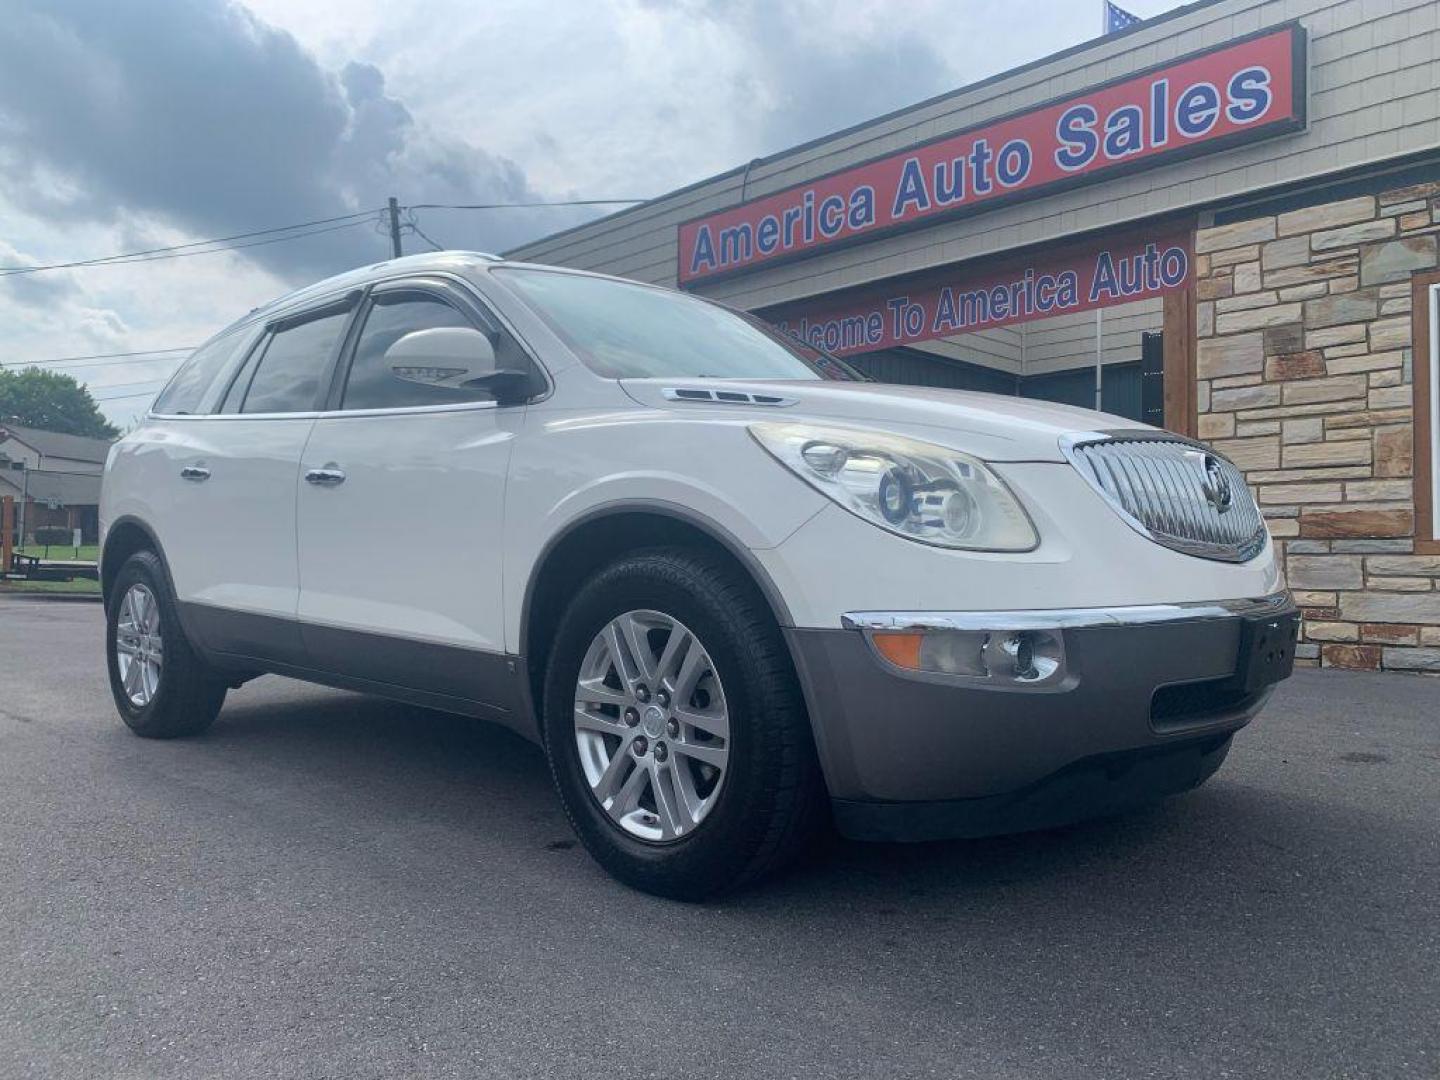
x: 1118, y: 18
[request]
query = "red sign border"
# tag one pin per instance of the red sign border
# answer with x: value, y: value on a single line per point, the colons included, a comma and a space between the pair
x: 1296, y: 121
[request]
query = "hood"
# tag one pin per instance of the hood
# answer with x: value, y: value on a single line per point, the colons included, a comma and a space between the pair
x: 994, y: 427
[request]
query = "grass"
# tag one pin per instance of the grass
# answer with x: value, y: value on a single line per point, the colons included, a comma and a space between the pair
x: 68, y: 552
x: 83, y: 553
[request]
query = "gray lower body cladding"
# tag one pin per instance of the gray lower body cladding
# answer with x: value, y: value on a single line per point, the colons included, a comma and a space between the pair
x: 1145, y: 712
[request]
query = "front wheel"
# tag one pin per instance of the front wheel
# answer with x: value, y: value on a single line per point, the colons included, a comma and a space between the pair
x: 161, y: 687
x: 675, y: 728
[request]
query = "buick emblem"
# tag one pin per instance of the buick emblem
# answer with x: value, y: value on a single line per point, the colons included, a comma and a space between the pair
x: 1217, y: 485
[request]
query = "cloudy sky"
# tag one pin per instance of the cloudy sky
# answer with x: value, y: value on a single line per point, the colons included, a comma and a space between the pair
x: 131, y: 126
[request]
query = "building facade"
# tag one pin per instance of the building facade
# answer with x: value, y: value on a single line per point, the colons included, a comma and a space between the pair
x: 54, y: 480
x: 1222, y: 221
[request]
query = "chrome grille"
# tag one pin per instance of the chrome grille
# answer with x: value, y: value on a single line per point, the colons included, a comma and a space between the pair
x: 1176, y: 492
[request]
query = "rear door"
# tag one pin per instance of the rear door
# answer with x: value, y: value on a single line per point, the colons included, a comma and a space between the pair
x: 400, y: 510
x: 233, y: 554
x: 170, y: 463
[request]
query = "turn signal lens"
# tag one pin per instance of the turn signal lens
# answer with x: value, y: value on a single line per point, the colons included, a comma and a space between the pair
x: 902, y: 650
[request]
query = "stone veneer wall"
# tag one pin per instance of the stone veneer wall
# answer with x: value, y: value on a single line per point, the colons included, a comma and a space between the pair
x: 1305, y: 371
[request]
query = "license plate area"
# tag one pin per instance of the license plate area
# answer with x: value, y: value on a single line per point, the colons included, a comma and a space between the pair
x: 1267, y: 650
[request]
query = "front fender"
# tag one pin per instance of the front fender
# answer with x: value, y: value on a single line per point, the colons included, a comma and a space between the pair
x: 567, y: 471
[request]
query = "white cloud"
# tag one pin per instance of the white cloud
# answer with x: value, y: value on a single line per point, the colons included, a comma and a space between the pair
x: 151, y: 305
x: 128, y: 126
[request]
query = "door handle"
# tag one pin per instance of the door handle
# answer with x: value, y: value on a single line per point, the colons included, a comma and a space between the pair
x: 330, y: 476
x: 195, y: 472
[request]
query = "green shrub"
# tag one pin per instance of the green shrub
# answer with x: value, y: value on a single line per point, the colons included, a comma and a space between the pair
x: 54, y: 535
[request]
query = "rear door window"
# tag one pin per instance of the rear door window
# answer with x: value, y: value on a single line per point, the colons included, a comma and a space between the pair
x: 296, y: 362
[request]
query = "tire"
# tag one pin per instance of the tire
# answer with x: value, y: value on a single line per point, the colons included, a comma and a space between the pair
x: 178, y: 696
x: 766, y: 803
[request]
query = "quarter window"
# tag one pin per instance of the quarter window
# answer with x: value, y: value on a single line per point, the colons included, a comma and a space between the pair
x: 372, y: 384
x: 296, y: 358
x: 186, y: 392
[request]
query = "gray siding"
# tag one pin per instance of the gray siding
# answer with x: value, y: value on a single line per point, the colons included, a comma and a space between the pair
x: 1068, y: 341
x: 1374, y: 84
x: 1003, y: 347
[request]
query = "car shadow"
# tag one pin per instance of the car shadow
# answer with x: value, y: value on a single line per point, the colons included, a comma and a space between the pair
x: 1184, y: 855
x: 1271, y: 908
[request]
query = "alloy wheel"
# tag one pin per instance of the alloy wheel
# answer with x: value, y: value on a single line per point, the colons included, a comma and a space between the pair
x: 139, y: 648
x: 651, y: 725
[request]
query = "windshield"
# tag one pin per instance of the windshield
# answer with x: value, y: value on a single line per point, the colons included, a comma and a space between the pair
x: 630, y: 331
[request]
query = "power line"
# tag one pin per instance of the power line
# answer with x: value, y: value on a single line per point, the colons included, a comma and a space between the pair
x: 423, y: 236
x: 7, y: 271
x: 293, y: 232
x: 68, y: 368
x: 124, y: 397
x: 119, y: 261
x: 523, y: 205
x: 71, y: 361
x: 414, y: 226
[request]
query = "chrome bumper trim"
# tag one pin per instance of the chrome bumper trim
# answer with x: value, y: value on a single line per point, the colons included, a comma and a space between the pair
x: 1067, y: 618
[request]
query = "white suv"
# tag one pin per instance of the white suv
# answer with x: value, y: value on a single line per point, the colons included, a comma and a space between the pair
x: 730, y: 586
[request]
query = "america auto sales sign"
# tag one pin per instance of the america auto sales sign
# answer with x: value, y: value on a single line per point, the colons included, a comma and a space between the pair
x: 1247, y: 89
x: 959, y: 300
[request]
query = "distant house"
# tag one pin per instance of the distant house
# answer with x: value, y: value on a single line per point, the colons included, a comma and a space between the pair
x: 54, y: 478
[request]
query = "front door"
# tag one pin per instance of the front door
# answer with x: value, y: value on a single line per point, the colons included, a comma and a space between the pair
x: 400, y: 503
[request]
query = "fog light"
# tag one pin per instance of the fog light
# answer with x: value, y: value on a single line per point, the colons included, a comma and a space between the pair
x: 1021, y: 650
x: 1026, y: 656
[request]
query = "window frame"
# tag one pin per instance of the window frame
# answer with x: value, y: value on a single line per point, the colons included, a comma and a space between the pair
x: 458, y: 295
x: 220, y: 382
x: 1425, y: 409
x: 458, y: 290
x: 348, y: 305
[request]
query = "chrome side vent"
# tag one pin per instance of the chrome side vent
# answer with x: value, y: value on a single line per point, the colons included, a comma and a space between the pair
x: 725, y: 397
x: 1178, y: 493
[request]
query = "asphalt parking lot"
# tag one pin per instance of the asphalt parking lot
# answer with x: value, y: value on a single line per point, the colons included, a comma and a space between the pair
x: 332, y: 886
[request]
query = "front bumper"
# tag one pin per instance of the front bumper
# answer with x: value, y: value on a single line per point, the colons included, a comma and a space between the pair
x: 1143, y: 707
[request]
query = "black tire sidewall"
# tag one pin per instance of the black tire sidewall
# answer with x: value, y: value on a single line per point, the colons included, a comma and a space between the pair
x: 720, y: 848
x: 176, y: 707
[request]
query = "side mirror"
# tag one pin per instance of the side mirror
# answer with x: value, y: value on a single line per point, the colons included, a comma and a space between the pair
x: 455, y: 358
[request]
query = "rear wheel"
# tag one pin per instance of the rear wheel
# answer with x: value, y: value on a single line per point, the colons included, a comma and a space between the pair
x: 161, y: 687
x: 676, y: 732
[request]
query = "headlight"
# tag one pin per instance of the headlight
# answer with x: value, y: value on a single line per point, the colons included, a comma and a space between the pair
x: 915, y: 489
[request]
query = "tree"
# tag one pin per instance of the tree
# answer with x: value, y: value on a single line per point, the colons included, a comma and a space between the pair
x: 51, y: 401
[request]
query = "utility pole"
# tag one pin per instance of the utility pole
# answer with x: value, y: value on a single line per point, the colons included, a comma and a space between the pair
x: 24, y: 501
x: 7, y: 529
x: 395, y: 228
